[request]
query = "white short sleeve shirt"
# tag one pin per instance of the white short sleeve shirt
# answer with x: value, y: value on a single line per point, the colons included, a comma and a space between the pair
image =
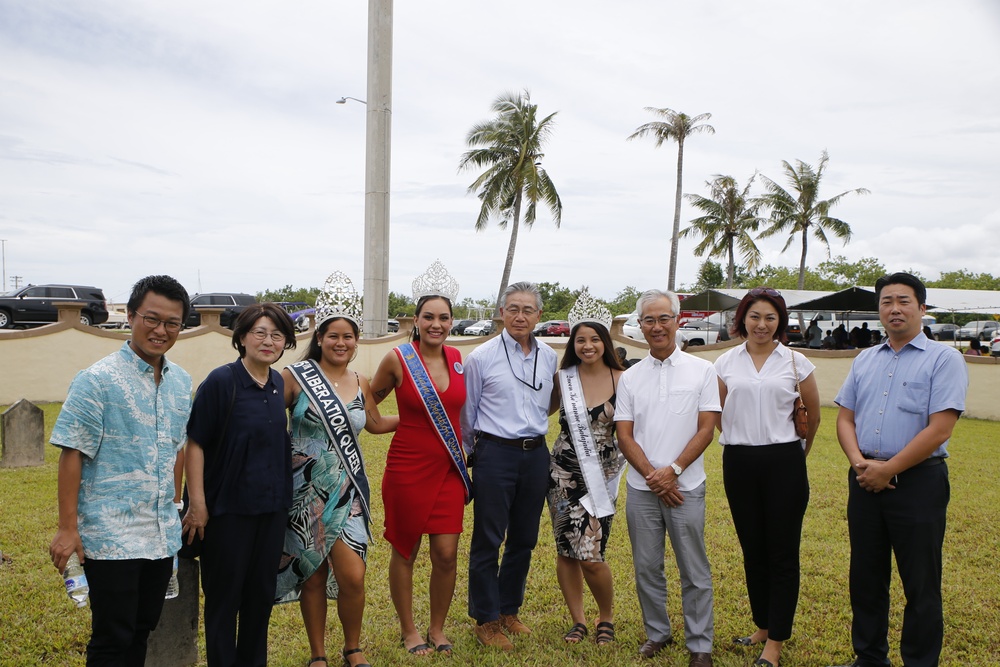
x: 758, y: 408
x: 663, y: 400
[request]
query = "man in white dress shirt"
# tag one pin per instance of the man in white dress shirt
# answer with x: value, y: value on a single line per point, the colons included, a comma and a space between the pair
x: 508, y: 381
x: 666, y: 414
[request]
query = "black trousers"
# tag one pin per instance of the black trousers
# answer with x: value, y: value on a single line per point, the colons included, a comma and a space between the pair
x: 910, y: 522
x: 768, y: 491
x: 126, y: 598
x: 239, y: 574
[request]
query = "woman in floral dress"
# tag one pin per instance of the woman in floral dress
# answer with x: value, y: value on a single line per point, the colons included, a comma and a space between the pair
x: 581, y: 515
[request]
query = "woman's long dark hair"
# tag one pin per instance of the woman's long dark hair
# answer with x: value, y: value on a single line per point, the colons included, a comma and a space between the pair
x: 415, y: 334
x: 315, y: 351
x: 610, y: 359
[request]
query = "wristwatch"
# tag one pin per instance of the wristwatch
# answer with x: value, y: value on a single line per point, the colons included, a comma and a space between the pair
x: 677, y: 469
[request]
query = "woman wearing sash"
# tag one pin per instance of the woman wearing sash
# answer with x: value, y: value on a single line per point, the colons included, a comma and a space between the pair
x: 764, y: 462
x: 326, y: 538
x: 586, y: 466
x: 239, y: 484
x: 426, y: 484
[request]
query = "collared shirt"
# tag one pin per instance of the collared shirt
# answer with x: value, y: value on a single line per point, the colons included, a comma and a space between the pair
x: 758, y: 409
x: 663, y: 400
x: 129, y: 430
x: 497, y: 400
x: 248, y: 462
x: 894, y: 393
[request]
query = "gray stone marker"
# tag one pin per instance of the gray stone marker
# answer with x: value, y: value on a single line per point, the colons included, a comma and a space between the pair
x: 22, y: 435
x: 174, y: 642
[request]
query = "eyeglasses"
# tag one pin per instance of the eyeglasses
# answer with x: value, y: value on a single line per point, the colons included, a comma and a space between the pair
x: 515, y: 311
x: 662, y: 320
x: 153, y: 322
x: 261, y: 334
x: 757, y: 291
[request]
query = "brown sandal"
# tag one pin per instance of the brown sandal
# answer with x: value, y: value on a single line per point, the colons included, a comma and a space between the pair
x: 575, y: 634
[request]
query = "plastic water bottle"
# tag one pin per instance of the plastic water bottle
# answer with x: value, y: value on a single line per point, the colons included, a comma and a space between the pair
x: 173, y: 587
x: 76, y: 581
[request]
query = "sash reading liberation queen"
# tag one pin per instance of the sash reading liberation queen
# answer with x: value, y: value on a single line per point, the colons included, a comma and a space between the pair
x: 436, y: 412
x: 600, y: 499
x: 334, y: 418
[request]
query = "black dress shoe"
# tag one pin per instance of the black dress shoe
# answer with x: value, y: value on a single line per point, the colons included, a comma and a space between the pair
x: 700, y: 660
x: 651, y: 648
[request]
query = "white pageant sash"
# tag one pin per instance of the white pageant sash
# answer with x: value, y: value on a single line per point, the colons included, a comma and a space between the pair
x: 600, y: 499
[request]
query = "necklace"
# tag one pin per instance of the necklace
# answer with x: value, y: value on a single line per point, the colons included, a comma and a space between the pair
x: 253, y: 377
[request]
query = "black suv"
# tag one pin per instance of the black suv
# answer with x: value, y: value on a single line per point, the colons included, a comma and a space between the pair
x: 233, y: 302
x: 32, y: 305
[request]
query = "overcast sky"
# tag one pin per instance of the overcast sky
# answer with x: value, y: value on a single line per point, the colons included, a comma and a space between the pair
x: 202, y: 139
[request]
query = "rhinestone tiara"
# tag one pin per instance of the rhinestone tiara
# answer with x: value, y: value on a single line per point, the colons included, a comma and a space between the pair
x: 435, y: 281
x: 589, y: 309
x: 338, y: 298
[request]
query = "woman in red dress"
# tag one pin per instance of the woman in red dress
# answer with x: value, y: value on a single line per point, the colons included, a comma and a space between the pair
x: 424, y: 490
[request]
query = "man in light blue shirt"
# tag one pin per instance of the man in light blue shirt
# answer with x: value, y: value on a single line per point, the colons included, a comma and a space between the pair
x: 508, y: 381
x: 120, y: 431
x: 898, y: 406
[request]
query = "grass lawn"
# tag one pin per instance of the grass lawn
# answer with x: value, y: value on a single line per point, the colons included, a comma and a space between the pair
x: 39, y: 625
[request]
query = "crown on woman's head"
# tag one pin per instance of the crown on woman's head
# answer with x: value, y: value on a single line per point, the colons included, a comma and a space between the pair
x: 435, y: 281
x: 338, y: 298
x: 589, y: 309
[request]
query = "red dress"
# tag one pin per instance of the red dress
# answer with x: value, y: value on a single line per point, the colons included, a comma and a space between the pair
x: 422, y: 492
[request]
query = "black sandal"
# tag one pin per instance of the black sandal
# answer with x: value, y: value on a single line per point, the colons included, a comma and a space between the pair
x: 605, y: 633
x: 347, y: 663
x: 575, y: 634
x: 317, y: 659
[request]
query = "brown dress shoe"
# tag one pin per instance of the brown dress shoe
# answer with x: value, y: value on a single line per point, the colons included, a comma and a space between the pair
x: 512, y: 625
x: 700, y: 660
x: 651, y: 648
x: 491, y: 634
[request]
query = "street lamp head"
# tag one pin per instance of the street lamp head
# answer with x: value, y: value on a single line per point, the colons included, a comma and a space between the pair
x: 343, y: 100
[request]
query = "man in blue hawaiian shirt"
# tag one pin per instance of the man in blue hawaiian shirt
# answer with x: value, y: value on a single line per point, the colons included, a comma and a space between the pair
x: 120, y: 431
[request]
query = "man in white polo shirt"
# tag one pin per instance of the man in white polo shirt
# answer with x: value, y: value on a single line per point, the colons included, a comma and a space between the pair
x: 666, y: 414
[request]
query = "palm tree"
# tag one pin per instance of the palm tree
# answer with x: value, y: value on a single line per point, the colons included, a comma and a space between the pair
x: 730, y: 217
x: 800, y: 210
x: 677, y: 127
x: 509, y: 146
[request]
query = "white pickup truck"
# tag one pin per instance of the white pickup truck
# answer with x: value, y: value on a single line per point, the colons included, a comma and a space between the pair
x: 699, y: 332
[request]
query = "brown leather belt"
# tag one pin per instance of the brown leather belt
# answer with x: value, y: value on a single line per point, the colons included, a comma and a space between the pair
x: 521, y: 443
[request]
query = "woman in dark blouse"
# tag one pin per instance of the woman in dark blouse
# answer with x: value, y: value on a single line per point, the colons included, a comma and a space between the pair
x: 239, y: 482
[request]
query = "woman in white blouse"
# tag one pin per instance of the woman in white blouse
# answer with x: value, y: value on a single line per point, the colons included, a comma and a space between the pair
x: 764, y: 462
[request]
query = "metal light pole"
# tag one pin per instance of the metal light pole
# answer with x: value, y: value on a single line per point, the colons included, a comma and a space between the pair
x: 3, y: 243
x: 378, y: 126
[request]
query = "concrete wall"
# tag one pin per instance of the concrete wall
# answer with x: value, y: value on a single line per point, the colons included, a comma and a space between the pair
x: 38, y: 364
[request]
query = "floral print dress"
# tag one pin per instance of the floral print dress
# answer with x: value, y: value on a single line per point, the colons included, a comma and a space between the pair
x: 579, y: 535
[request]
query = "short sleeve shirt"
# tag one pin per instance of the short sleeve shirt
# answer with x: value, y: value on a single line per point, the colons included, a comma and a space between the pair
x: 893, y: 394
x: 758, y: 409
x: 248, y: 463
x: 129, y: 430
x: 663, y: 399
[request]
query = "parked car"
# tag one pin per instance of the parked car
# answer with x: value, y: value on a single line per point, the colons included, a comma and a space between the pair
x: 981, y: 329
x: 480, y: 328
x: 543, y: 327
x: 630, y: 329
x: 697, y: 336
x: 557, y: 328
x: 458, y: 328
x: 943, y: 330
x: 233, y: 302
x: 392, y: 326
x: 117, y: 319
x: 703, y: 332
x: 995, y: 344
x: 33, y: 305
